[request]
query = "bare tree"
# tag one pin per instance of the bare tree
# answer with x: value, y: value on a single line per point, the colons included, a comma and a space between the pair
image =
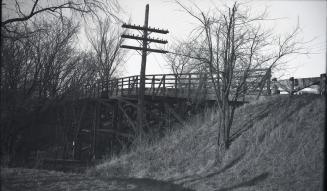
x: 80, y: 72
x: 105, y: 41
x: 179, y: 60
x: 235, y: 45
x: 40, y: 65
x: 33, y: 71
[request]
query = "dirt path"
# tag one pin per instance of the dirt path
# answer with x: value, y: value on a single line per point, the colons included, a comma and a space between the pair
x: 38, y: 180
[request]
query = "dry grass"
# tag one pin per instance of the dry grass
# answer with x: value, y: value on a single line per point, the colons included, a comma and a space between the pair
x: 278, y: 146
x: 176, y: 149
x: 281, y: 151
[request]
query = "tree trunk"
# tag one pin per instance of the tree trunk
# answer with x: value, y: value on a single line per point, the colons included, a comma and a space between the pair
x: 226, y: 114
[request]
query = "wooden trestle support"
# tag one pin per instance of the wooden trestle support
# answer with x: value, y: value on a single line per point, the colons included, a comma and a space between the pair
x: 112, y: 124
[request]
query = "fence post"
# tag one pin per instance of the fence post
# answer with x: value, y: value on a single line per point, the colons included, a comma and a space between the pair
x: 176, y: 76
x: 110, y: 88
x: 129, y: 85
x: 164, y: 84
x: 268, y: 82
x: 85, y: 91
x: 189, y: 87
x: 275, y: 90
x: 153, y: 85
x: 117, y: 86
x: 244, y: 90
x: 94, y: 89
x: 205, y: 86
x: 98, y: 89
x: 107, y: 87
x: 292, y: 85
x: 122, y: 87
x: 322, y: 86
x: 137, y: 85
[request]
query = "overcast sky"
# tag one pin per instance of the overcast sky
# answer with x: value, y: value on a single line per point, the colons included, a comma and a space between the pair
x: 167, y: 15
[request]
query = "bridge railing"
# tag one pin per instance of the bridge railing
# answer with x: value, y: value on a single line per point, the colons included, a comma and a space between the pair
x: 294, y: 85
x: 197, y: 85
x: 185, y: 85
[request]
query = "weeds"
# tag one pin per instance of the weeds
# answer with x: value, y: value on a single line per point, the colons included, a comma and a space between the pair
x: 280, y: 136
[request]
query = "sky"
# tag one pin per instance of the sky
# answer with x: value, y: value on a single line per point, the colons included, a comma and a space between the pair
x: 165, y: 14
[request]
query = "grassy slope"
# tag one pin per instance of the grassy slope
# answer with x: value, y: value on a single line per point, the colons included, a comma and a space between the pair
x: 280, y: 147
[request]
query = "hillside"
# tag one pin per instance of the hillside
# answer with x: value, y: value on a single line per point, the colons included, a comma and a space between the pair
x: 278, y: 145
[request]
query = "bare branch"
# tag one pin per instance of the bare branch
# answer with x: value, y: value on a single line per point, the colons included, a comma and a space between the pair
x: 80, y: 6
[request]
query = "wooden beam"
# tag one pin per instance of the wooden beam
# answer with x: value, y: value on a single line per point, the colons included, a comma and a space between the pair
x: 142, y: 38
x: 145, y: 28
x: 146, y: 49
x: 127, y: 117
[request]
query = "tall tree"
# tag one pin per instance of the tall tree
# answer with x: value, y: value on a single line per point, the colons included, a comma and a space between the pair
x: 40, y: 64
x: 33, y: 72
x: 234, y: 45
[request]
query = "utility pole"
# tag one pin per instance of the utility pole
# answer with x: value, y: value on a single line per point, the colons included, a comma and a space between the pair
x: 145, y: 40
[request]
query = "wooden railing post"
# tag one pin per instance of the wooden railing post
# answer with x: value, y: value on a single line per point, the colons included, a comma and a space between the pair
x: 268, y: 82
x: 137, y: 85
x: 292, y: 85
x: 322, y: 85
x: 244, y: 90
x: 164, y: 84
x: 84, y: 91
x: 98, y: 89
x: 153, y: 85
x: 205, y: 85
x: 122, y: 87
x: 117, y: 86
x: 275, y: 90
x: 94, y: 90
x: 107, y: 87
x: 176, y: 76
x: 111, y: 88
x: 129, y: 85
x: 189, y: 87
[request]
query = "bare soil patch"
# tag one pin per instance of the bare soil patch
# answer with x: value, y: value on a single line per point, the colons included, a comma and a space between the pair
x: 17, y: 179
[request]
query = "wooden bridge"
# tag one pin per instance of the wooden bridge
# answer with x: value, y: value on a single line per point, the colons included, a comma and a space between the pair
x: 109, y: 110
x: 191, y: 86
